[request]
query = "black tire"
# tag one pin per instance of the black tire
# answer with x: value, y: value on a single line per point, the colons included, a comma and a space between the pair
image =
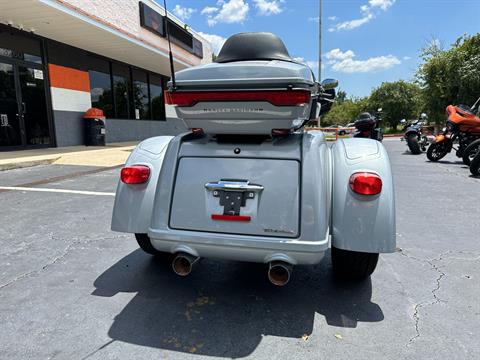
x: 145, y: 244
x: 353, y: 265
x: 437, y: 151
x: 413, y: 145
x: 470, y: 151
x: 475, y: 165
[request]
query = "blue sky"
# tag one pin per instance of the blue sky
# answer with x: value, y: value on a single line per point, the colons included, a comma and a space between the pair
x: 365, y: 42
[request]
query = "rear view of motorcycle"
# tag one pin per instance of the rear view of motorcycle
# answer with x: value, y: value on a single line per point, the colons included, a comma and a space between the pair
x: 368, y: 126
x: 416, y: 140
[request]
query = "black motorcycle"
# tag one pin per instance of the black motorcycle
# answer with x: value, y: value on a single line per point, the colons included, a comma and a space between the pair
x: 368, y: 126
x: 416, y: 140
x: 475, y: 163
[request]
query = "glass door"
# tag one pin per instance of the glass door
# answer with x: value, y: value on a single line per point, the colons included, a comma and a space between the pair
x: 23, y: 111
x: 33, y: 106
x: 10, y: 124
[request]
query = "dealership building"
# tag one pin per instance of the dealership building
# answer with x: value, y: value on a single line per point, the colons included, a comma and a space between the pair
x: 58, y: 58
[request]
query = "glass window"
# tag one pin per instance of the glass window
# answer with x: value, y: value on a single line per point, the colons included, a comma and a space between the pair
x: 121, y: 90
x: 156, y: 95
x: 141, y: 102
x: 101, y: 92
x: 15, y: 45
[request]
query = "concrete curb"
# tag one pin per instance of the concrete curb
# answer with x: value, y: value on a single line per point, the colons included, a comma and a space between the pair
x: 84, y: 157
x: 27, y: 163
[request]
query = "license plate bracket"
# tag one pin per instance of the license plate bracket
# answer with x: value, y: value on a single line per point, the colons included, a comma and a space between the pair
x: 233, y: 201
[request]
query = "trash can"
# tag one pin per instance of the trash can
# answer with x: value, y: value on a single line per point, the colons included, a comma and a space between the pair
x: 94, y: 127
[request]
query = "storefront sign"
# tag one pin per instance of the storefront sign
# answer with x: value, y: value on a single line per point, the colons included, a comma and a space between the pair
x: 11, y: 53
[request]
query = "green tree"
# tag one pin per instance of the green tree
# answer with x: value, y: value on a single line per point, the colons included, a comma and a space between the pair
x: 345, y: 111
x: 450, y: 76
x: 399, y: 100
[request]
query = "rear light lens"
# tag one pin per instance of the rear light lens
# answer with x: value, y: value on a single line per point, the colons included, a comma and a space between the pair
x: 135, y: 174
x: 275, y: 97
x: 197, y: 131
x: 280, y: 132
x: 365, y: 183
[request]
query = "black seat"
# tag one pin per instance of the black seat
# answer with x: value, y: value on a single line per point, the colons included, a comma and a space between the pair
x: 253, y: 46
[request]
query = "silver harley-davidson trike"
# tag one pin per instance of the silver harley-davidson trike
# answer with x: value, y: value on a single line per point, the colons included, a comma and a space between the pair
x: 246, y: 182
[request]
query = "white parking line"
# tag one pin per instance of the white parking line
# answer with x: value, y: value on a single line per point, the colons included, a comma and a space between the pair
x: 19, y: 188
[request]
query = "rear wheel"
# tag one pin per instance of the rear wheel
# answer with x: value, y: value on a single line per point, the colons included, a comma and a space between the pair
x: 146, y: 245
x: 413, y: 145
x: 475, y: 165
x: 470, y: 151
x: 353, y: 265
x: 436, y: 151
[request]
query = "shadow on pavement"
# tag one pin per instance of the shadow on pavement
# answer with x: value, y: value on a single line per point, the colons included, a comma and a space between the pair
x: 224, y: 308
x: 450, y: 162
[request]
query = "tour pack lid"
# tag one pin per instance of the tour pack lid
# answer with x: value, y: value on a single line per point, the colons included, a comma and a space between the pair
x: 253, y: 46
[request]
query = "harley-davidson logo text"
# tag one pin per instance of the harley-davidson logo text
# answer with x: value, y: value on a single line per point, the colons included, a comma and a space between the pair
x: 232, y: 110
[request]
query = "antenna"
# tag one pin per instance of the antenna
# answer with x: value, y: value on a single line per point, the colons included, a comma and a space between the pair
x: 320, y: 6
x: 170, y: 55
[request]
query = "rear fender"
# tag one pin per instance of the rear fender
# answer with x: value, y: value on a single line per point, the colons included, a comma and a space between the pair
x: 133, y: 203
x: 411, y: 132
x: 362, y: 223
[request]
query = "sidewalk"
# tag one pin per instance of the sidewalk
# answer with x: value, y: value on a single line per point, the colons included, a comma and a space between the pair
x: 113, y: 154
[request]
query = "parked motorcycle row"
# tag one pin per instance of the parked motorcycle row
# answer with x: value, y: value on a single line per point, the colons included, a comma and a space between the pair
x: 461, y: 133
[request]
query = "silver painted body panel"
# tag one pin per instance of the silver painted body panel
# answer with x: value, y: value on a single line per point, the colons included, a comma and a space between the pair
x: 275, y: 209
x: 329, y: 213
x: 359, y: 222
x: 258, y: 74
x: 133, y: 204
x: 244, y: 117
x: 247, y: 117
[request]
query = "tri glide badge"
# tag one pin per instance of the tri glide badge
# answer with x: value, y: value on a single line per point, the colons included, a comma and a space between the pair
x: 233, y: 195
x: 232, y: 110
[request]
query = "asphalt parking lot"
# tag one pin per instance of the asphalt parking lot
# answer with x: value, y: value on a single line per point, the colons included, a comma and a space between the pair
x: 72, y: 289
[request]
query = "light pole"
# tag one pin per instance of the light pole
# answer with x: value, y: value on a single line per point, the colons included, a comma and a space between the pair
x: 320, y: 6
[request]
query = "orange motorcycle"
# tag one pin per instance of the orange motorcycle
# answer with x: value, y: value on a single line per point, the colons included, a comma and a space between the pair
x: 462, y: 125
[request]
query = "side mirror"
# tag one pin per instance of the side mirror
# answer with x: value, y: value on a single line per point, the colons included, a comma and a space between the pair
x: 379, y: 110
x: 403, y: 121
x: 329, y: 84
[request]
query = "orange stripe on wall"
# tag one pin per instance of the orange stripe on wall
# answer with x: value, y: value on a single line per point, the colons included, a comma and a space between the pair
x: 68, y: 78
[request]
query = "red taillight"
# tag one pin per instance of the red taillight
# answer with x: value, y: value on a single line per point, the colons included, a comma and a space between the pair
x: 366, y: 183
x: 275, y: 97
x: 135, y: 174
x: 280, y: 132
x: 197, y: 131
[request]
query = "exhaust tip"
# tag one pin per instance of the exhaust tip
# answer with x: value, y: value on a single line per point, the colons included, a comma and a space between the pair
x: 279, y: 273
x: 182, y: 264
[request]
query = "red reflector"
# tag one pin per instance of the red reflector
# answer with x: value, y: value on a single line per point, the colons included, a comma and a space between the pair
x: 366, y: 183
x: 231, y: 217
x: 280, y: 132
x: 135, y: 174
x: 197, y: 131
x: 275, y: 97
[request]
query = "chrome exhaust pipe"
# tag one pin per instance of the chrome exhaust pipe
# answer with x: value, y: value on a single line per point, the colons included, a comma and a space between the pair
x: 182, y: 263
x: 279, y: 272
